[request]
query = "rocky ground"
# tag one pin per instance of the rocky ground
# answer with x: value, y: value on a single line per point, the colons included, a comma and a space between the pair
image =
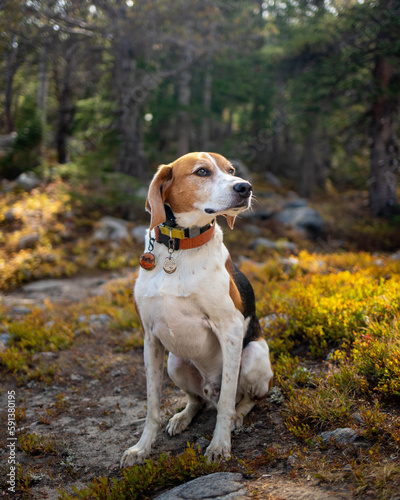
x: 96, y: 408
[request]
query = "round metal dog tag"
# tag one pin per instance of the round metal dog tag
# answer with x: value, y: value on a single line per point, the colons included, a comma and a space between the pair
x: 169, y: 265
x: 147, y: 261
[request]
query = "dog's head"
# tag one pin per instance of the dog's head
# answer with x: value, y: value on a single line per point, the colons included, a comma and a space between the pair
x: 197, y: 187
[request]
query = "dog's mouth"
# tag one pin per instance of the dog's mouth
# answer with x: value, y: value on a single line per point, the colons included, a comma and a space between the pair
x: 241, y: 207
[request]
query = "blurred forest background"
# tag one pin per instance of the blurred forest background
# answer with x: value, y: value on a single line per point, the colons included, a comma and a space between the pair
x: 307, y: 90
x: 303, y: 96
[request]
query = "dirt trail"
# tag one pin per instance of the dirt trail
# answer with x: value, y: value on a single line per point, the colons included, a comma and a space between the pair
x: 96, y: 409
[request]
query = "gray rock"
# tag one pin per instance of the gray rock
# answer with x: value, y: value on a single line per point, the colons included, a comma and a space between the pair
x: 396, y: 256
x: 142, y: 192
x: 253, y: 229
x: 219, y: 486
x: 262, y: 214
x: 28, y: 241
x: 273, y: 245
x: 358, y: 418
x: 44, y: 356
x: 275, y: 396
x: 42, y: 286
x: 20, y: 310
x: 111, y: 229
x: 304, y: 219
x: 5, y: 338
x: 296, y: 203
x: 342, y: 436
x: 6, y: 143
x: 9, y: 216
x: 4, y: 341
x: 94, y: 319
x: 289, y: 264
x: 139, y: 233
x: 102, y: 318
x: 269, y: 320
x: 273, y: 180
x: 28, y: 181
x: 203, y: 443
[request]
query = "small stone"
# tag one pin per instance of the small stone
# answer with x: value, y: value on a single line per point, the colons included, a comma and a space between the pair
x: 396, y: 256
x: 289, y: 264
x: 111, y: 229
x: 28, y: 181
x: 275, y: 396
x: 4, y: 341
x: 296, y: 203
x: 203, y: 443
x: 43, y: 286
x: 358, y: 418
x: 253, y: 229
x: 282, y: 245
x: 28, y: 241
x: 342, y: 436
x: 5, y: 338
x: 304, y: 219
x: 44, y: 356
x: 273, y: 180
x: 268, y: 321
x: 10, y: 215
x: 21, y: 310
x: 99, y: 318
x: 139, y: 233
x: 292, y: 460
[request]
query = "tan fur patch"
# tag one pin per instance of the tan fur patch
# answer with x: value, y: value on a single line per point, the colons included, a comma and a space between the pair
x: 233, y: 289
x: 186, y: 188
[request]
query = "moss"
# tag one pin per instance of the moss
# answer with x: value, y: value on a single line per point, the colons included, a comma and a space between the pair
x: 140, y: 481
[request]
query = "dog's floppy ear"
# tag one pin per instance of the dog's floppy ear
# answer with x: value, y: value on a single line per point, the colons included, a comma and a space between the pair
x: 156, y: 196
x: 231, y: 220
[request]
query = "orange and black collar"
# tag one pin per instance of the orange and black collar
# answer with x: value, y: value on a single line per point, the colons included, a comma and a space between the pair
x: 178, y: 238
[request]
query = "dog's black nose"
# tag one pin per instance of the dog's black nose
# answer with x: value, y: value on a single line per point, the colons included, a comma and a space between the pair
x: 243, y: 188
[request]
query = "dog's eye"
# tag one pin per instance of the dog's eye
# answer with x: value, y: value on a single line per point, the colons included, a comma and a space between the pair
x: 231, y: 171
x: 202, y: 172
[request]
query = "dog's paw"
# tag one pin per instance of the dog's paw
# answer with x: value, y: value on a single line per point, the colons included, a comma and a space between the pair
x: 237, y: 421
x: 218, y: 451
x: 178, y: 423
x: 133, y: 455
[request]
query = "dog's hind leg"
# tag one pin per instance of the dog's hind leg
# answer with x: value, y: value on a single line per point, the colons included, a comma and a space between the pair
x: 255, y: 378
x: 186, y: 376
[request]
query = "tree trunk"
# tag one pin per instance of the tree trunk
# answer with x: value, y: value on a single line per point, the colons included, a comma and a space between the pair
x: 130, y: 96
x: 183, y: 114
x: 66, y: 108
x: 43, y: 82
x: 384, y: 145
x: 11, y: 66
x: 309, y: 162
x: 207, y: 95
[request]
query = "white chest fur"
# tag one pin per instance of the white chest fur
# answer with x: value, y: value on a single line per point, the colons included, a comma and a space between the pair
x: 190, y: 311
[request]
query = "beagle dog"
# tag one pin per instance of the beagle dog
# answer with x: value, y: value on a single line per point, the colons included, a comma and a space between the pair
x: 193, y: 301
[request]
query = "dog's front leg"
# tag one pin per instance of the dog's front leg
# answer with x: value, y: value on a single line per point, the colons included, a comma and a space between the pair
x: 231, y: 345
x: 154, y: 362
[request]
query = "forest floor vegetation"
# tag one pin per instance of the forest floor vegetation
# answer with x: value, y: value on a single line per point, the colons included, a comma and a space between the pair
x: 72, y: 352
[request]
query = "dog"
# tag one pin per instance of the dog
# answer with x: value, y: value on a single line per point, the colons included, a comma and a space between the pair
x: 193, y: 301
